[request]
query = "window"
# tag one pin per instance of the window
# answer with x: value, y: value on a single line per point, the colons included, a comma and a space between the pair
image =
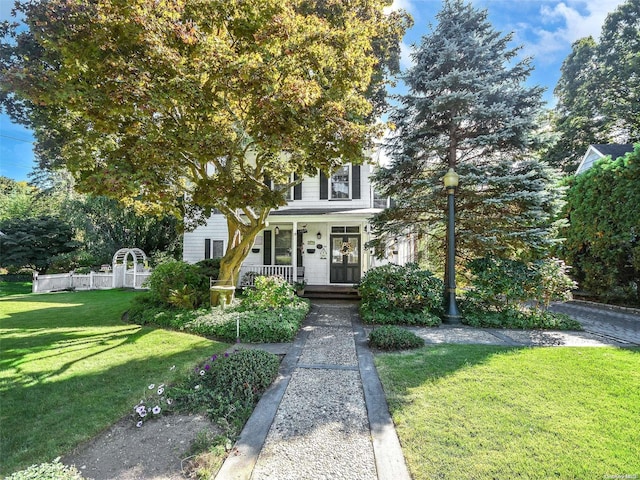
x: 340, y: 183
x: 345, y: 229
x: 282, y: 249
x: 213, y: 248
x: 380, y: 201
x: 344, y: 184
x: 294, y: 193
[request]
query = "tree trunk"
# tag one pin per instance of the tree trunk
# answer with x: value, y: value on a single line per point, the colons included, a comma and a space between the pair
x: 241, y: 238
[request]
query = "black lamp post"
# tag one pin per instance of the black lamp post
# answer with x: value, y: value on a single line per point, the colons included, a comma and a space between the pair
x: 451, y: 315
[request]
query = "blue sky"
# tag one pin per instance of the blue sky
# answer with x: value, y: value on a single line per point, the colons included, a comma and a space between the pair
x: 545, y: 28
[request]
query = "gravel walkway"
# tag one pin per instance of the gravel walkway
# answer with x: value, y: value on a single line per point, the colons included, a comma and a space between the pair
x: 326, y: 416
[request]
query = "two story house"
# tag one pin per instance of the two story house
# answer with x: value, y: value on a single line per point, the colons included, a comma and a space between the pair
x: 319, y: 236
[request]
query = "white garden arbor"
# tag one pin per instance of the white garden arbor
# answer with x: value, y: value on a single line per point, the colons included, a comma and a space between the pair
x: 130, y: 268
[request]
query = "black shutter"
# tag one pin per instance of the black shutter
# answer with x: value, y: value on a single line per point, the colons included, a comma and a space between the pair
x: 267, y: 181
x: 266, y: 248
x: 297, y: 190
x: 355, y: 180
x: 324, y: 186
x: 207, y: 248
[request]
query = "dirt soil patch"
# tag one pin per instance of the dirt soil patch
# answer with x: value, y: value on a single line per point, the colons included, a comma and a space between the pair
x: 155, y: 451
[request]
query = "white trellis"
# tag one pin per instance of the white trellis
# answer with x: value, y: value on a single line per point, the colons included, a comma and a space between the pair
x: 129, y: 268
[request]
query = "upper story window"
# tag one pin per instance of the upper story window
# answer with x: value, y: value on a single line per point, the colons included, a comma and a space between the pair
x: 291, y: 193
x: 287, y: 191
x: 379, y: 200
x: 340, y: 183
x: 344, y: 184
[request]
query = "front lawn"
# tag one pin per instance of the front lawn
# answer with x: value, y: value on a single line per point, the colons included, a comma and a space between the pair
x: 485, y: 412
x: 69, y: 367
x: 14, y: 288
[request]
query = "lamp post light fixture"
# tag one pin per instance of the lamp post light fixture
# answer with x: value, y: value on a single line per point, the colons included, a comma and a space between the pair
x: 452, y: 314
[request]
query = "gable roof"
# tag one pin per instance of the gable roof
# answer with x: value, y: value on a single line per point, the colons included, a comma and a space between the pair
x: 597, y: 151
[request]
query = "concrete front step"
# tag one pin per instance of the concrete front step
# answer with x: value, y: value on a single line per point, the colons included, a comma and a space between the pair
x: 330, y: 292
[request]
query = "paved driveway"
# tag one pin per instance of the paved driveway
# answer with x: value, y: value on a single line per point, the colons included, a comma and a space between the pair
x: 620, y: 324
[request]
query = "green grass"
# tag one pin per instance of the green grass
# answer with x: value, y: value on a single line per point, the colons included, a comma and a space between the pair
x: 14, y: 288
x: 485, y: 412
x: 70, y: 367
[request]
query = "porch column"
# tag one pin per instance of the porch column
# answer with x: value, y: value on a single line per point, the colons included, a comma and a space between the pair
x: 294, y: 251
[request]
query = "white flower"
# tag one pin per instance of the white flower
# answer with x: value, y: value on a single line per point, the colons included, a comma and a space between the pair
x: 139, y: 424
x: 140, y: 410
x: 142, y: 414
x: 160, y: 391
x: 197, y: 387
x: 152, y: 386
x: 173, y: 367
x: 169, y: 401
x: 156, y: 410
x: 202, y: 372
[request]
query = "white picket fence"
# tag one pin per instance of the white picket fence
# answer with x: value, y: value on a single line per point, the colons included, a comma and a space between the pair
x: 89, y: 281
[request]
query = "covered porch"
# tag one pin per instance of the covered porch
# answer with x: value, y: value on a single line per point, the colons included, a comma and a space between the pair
x: 317, y: 246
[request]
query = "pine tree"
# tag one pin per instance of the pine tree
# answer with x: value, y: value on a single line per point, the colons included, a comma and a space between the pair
x: 468, y: 109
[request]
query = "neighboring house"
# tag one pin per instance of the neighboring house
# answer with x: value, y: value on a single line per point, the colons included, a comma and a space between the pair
x: 596, y: 152
x: 319, y: 236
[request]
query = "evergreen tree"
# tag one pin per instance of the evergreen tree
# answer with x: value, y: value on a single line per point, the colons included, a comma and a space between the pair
x: 619, y: 56
x: 578, y: 116
x: 468, y: 109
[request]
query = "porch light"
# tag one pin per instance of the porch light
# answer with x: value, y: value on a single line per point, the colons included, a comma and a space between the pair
x: 319, y: 236
x: 277, y: 230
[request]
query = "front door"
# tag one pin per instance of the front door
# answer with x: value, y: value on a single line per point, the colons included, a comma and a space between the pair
x: 345, y: 259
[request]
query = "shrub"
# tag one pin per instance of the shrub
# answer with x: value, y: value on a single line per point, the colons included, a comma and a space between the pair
x: 269, y: 293
x: 517, y: 318
x: 501, y: 288
x: 265, y: 326
x: 227, y: 387
x: 602, y: 235
x: 256, y: 326
x: 392, y: 294
x: 209, y: 268
x: 173, y: 276
x: 49, y: 471
x: 501, y: 284
x: 392, y: 337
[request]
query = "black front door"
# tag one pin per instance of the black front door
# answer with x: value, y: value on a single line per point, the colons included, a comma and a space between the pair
x: 345, y: 258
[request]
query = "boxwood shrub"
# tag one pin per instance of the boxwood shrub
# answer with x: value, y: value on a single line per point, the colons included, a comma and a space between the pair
x: 392, y: 337
x: 393, y: 294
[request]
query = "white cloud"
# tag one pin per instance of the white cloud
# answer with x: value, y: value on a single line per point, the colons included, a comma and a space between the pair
x: 572, y: 20
x: 406, y: 61
x: 402, y: 5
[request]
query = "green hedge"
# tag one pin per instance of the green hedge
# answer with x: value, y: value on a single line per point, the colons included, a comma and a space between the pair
x: 393, y: 294
x: 392, y: 337
x: 603, y: 237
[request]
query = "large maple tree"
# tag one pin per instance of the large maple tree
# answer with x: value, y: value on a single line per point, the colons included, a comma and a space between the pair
x: 186, y: 105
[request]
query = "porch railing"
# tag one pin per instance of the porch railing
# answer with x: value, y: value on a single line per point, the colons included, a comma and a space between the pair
x: 248, y: 273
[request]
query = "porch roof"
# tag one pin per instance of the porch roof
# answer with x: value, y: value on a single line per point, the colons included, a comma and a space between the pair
x: 306, y: 212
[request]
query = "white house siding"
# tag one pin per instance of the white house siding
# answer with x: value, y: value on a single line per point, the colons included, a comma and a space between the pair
x: 194, y: 242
